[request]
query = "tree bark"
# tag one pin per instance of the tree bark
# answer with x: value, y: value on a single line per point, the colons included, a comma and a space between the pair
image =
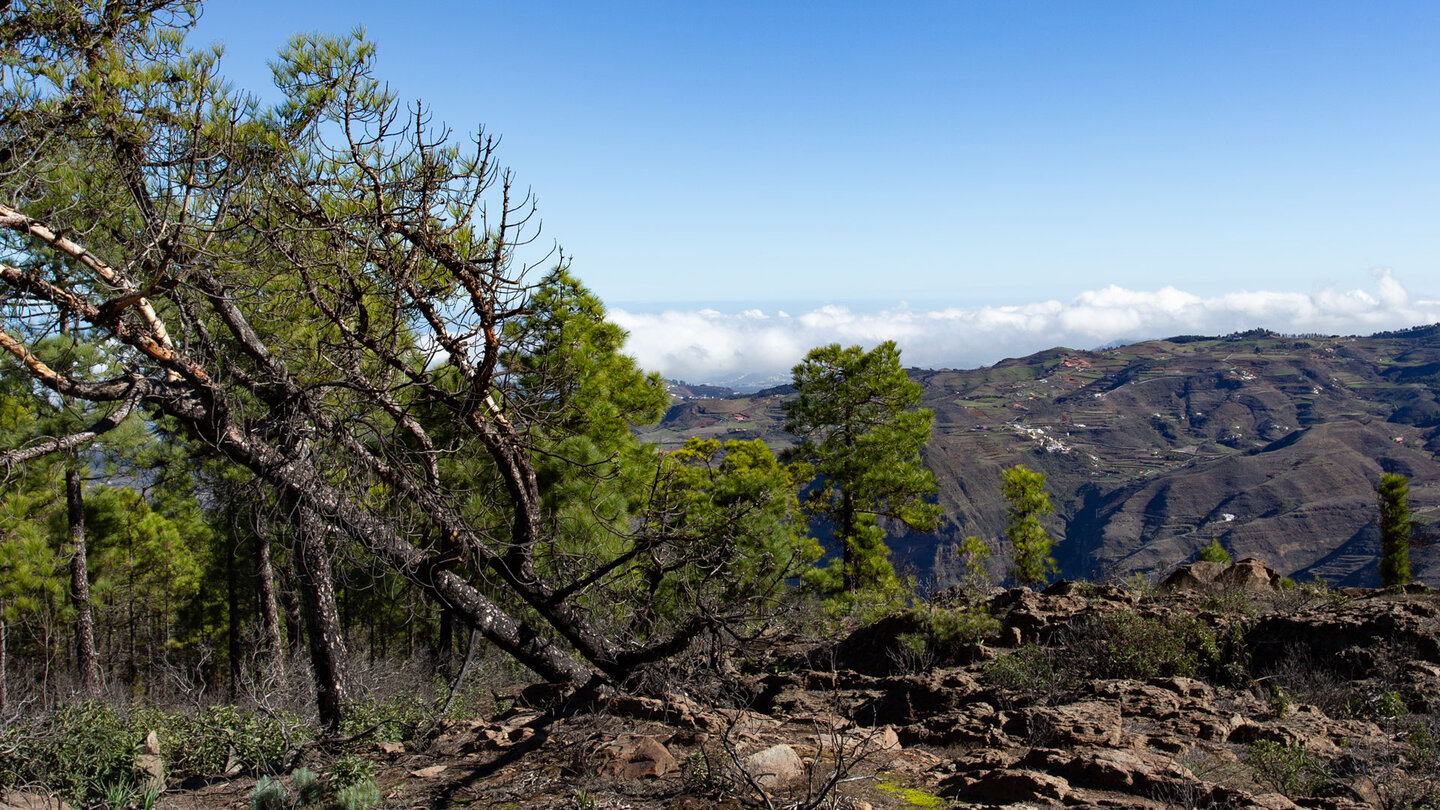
x: 289, y: 594
x: 269, y: 610
x: 232, y: 610
x: 445, y: 645
x: 87, y: 661
x: 4, y: 667
x: 322, y: 618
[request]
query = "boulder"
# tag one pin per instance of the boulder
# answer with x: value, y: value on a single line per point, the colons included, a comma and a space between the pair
x: 429, y: 773
x: 149, y: 763
x: 1090, y: 722
x: 633, y: 756
x: 1008, y: 786
x: 775, y: 766
x: 1197, y: 576
x: 1137, y: 772
x: 1250, y: 575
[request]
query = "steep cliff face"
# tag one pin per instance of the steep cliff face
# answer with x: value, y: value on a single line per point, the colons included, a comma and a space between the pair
x: 1271, y: 444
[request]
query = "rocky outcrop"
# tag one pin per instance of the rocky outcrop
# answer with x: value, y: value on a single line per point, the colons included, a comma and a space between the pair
x: 1298, y: 699
x: 1248, y: 576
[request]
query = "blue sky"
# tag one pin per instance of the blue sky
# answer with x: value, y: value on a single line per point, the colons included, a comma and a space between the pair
x: 900, y: 161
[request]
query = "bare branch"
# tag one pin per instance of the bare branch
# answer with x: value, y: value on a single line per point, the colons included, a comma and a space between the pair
x: 65, y: 444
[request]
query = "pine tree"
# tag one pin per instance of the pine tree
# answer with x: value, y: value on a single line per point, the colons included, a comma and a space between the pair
x: 1394, y: 529
x: 1024, y: 490
x: 856, y: 417
x: 1215, y: 552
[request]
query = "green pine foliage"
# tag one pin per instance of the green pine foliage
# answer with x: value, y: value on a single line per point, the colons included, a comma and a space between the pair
x: 736, y: 506
x: 857, y: 417
x: 1394, y: 508
x: 1214, y: 552
x: 1024, y: 491
x: 976, y: 553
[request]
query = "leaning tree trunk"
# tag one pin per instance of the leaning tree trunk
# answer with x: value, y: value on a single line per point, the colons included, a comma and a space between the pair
x: 322, y: 618
x: 86, y: 659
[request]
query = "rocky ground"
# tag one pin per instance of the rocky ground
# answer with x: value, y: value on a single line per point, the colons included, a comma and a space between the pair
x: 1228, y: 692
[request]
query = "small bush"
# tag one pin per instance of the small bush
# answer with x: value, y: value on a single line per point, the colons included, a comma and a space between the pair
x: 358, y: 796
x: 349, y: 770
x: 308, y: 791
x: 1391, y: 705
x: 82, y: 752
x: 395, y: 718
x: 1280, y: 701
x: 1230, y: 603
x: 204, y: 743
x: 1029, y: 671
x: 1288, y: 769
x: 269, y: 794
x: 941, y: 633
x: 1128, y: 645
x: 1215, y: 553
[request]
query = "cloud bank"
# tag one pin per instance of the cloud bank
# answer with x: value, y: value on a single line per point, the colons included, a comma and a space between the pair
x: 707, y: 346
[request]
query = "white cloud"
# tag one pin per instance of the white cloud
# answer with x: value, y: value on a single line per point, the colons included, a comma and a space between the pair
x: 706, y: 345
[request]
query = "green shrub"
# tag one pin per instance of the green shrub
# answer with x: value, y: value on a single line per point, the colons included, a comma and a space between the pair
x: 1230, y: 603
x: 269, y: 794
x: 308, y: 791
x: 1138, y: 584
x: 82, y: 752
x: 349, y: 770
x: 202, y: 744
x: 1029, y: 671
x: 1288, y: 769
x: 394, y: 718
x: 359, y: 796
x: 946, y: 630
x: 1215, y: 553
x: 1127, y: 645
x: 1280, y: 701
x: 1391, y: 705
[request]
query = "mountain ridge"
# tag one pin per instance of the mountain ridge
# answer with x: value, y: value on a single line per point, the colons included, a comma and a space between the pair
x: 1270, y: 443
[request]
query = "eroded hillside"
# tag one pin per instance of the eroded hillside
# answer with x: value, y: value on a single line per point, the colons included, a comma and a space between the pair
x: 1271, y: 444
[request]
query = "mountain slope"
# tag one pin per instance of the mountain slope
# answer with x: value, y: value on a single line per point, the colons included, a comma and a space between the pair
x: 1271, y: 444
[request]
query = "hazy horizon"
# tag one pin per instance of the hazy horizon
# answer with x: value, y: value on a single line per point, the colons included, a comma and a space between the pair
x: 719, y: 345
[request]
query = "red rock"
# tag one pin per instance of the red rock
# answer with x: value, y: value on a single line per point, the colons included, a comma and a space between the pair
x: 631, y: 756
x: 1009, y: 786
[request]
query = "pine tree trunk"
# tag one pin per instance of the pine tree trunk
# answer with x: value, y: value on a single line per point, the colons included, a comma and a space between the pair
x: 847, y: 542
x: 322, y: 620
x: 86, y: 659
x: 289, y: 594
x: 232, y: 610
x: 269, y: 610
x: 445, y: 645
x: 4, y: 667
